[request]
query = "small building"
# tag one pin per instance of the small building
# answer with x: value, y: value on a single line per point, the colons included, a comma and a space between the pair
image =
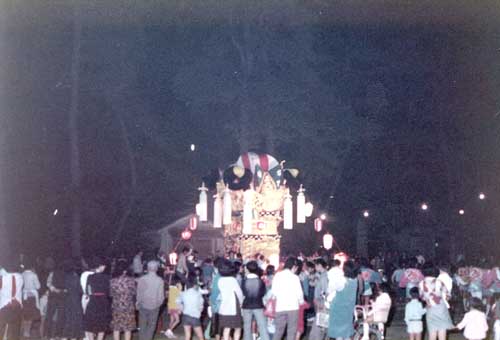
x: 207, y: 240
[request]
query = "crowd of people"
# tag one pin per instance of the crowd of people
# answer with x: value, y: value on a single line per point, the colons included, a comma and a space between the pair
x: 230, y: 297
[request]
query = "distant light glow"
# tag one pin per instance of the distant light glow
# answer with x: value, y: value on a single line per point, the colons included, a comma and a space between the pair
x: 482, y: 196
x: 461, y: 211
x: 424, y: 206
x: 323, y: 217
x: 55, y: 212
x: 366, y: 214
x: 193, y: 147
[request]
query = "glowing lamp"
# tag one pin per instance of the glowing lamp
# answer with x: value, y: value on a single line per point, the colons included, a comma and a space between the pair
x: 482, y: 196
x: 424, y: 206
x: 288, y: 212
x: 217, y: 212
x: 366, y: 214
x: 461, y: 211
x: 193, y: 223
x: 193, y: 147
x: 301, y: 206
x: 328, y: 241
x: 309, y: 209
x: 318, y: 224
x: 202, y: 205
x: 323, y: 217
x: 172, y: 257
x: 186, y: 234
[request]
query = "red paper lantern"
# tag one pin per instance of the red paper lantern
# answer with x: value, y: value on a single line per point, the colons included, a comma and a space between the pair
x: 186, y: 234
x: 193, y: 223
x: 318, y: 224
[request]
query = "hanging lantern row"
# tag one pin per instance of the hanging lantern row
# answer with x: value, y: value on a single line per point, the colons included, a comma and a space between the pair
x: 223, y: 209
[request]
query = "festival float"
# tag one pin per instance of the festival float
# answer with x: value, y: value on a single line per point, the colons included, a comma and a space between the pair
x: 251, y: 199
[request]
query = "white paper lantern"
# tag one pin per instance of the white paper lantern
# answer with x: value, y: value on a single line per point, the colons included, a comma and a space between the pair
x: 227, y: 213
x: 301, y: 206
x: 217, y: 212
x: 318, y: 224
x: 202, y: 208
x: 309, y: 209
x: 247, y: 211
x: 328, y: 241
x: 288, y: 212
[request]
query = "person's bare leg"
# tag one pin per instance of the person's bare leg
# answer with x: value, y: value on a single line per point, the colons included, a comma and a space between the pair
x: 433, y: 335
x: 187, y: 332
x: 418, y: 336
x: 89, y: 335
x: 442, y: 334
x: 174, y: 321
x: 199, y: 333
x: 128, y: 335
x: 237, y: 334
x: 225, y: 333
x: 100, y: 336
x: 116, y: 335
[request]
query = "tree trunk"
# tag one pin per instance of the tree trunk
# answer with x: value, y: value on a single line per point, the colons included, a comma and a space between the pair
x: 4, y: 240
x: 74, y: 140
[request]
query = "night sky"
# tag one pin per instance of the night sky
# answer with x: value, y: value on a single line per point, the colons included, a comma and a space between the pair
x: 382, y: 107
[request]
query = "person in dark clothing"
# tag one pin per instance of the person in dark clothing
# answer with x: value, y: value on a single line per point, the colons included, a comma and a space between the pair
x: 253, y: 289
x: 55, y: 306
x: 72, y: 312
x: 97, y: 317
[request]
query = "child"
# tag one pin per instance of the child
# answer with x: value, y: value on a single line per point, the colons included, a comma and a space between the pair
x: 474, y: 322
x: 496, y: 316
x: 381, y: 306
x: 414, y: 311
x: 174, y: 291
x: 191, y: 303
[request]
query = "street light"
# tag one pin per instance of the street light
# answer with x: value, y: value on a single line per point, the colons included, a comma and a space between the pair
x: 366, y: 214
x: 323, y: 217
x: 461, y: 211
x: 424, y: 206
x: 482, y: 196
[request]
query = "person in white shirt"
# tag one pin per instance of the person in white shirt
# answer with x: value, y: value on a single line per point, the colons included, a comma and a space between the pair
x: 474, y: 323
x: 31, y: 300
x: 231, y: 299
x: 11, y: 284
x: 289, y: 296
x: 414, y: 311
x: 446, y: 279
